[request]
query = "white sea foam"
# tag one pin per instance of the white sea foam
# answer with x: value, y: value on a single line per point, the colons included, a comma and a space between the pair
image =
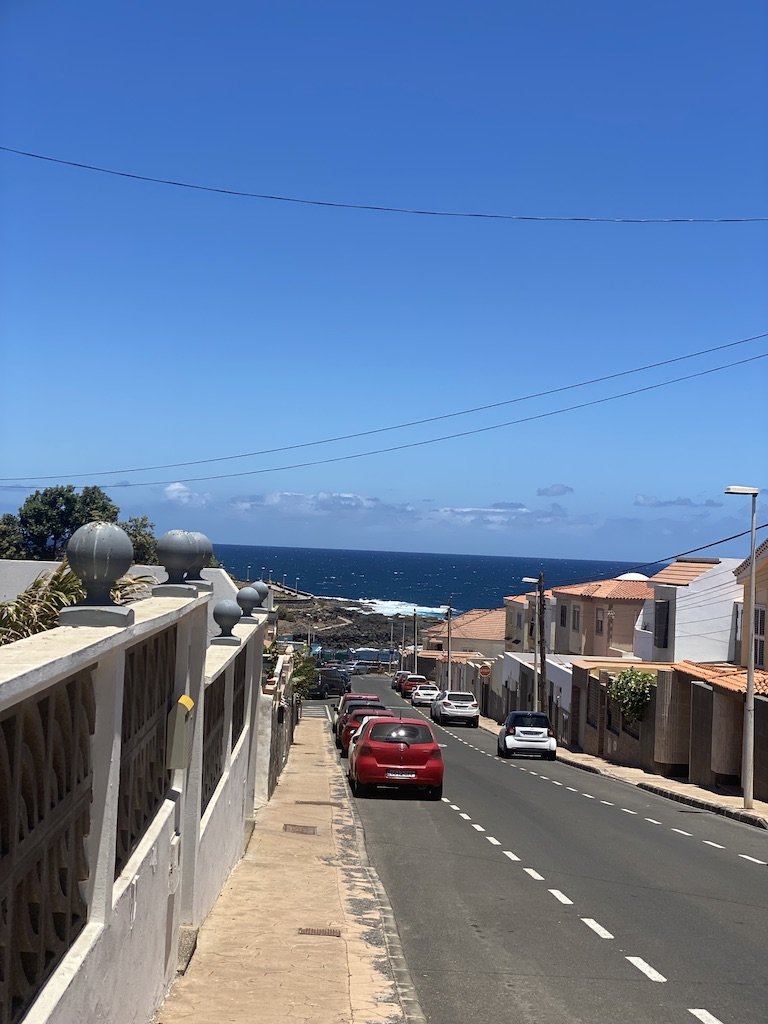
x: 401, y: 608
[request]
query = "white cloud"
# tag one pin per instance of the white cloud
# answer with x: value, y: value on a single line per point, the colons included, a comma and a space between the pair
x: 180, y: 494
x: 649, y: 501
x: 554, y: 491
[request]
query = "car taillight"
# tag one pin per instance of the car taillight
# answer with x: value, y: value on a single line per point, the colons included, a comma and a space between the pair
x: 365, y: 750
x: 436, y: 755
x: 550, y: 732
x: 510, y: 730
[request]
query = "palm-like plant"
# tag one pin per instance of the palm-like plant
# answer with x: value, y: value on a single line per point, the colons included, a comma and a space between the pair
x: 37, y: 608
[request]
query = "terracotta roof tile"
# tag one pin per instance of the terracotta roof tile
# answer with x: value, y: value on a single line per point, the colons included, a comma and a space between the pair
x: 477, y: 624
x: 609, y: 590
x: 759, y: 551
x: 725, y: 677
x: 680, y: 574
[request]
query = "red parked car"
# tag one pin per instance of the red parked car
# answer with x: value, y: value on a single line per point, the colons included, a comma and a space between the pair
x: 354, y: 720
x: 351, y: 708
x: 397, y: 752
x: 337, y: 709
x: 410, y: 684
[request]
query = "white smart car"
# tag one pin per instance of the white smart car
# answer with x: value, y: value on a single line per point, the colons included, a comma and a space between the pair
x: 527, y: 732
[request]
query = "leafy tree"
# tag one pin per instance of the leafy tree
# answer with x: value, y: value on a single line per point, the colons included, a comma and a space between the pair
x: 631, y: 690
x: 304, y: 673
x: 141, y: 531
x: 11, y: 538
x: 48, y: 518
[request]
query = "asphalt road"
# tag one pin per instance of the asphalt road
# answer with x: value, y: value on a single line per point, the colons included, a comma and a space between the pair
x: 537, y: 892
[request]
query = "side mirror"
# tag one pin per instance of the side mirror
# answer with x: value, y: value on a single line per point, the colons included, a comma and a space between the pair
x: 501, y: 722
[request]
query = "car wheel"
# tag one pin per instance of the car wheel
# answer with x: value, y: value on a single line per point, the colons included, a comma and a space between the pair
x: 337, y: 741
x: 552, y: 756
x: 360, y: 789
x: 503, y: 752
x: 344, y: 752
x: 435, y: 792
x: 475, y: 722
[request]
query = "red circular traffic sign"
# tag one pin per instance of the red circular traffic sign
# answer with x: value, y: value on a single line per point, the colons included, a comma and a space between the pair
x: 485, y: 671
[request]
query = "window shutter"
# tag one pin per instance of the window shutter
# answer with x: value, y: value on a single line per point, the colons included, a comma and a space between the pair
x: 661, y: 624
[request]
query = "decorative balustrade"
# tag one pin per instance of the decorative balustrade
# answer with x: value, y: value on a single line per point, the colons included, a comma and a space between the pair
x: 214, y: 715
x: 45, y: 797
x: 238, y: 698
x: 150, y: 669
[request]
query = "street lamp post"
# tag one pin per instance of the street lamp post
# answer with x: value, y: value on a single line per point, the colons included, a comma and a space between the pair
x: 285, y: 574
x: 536, y: 702
x: 448, y: 617
x: 297, y: 584
x: 748, y: 740
x: 248, y: 574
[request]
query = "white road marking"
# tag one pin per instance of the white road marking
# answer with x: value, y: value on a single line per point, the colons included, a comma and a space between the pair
x: 521, y: 768
x: 479, y: 828
x: 532, y: 772
x: 555, y: 783
x: 492, y: 841
x: 572, y: 789
x: 754, y: 860
x: 562, y: 897
x: 653, y: 821
x: 646, y: 968
x: 534, y: 874
x: 455, y: 807
x: 607, y: 803
x: 445, y: 800
x: 717, y: 846
x: 681, y: 832
x: 466, y: 817
x: 588, y: 796
x: 545, y: 777
x: 597, y: 928
x: 627, y: 810
x: 705, y: 1017
x: 512, y: 856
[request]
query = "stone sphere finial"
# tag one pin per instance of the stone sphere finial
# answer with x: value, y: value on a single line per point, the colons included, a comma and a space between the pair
x: 248, y: 598
x: 262, y: 591
x: 226, y: 614
x: 99, y: 553
x: 203, y: 551
x: 176, y: 551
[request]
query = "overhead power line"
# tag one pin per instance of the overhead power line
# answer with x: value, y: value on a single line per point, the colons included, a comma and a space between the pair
x: 375, y: 207
x: 396, y: 426
x: 432, y: 440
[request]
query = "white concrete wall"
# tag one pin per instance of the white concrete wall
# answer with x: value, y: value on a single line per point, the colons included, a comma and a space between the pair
x: 705, y: 615
x: 559, y: 681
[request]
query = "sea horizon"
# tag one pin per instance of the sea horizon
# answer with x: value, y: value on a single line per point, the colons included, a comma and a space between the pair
x: 399, y: 582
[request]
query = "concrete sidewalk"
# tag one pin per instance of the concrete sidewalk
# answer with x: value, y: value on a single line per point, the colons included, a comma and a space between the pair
x: 302, y: 930
x: 723, y: 802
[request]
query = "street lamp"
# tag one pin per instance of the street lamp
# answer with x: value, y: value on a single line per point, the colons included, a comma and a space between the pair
x: 536, y: 707
x: 248, y: 574
x: 285, y: 574
x: 297, y: 583
x: 748, y: 741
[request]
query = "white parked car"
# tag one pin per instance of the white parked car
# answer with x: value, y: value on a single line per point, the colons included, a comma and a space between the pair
x: 456, y: 706
x: 527, y: 732
x: 424, y: 695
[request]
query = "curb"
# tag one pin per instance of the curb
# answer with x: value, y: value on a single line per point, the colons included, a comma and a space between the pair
x: 745, y: 817
x: 406, y: 992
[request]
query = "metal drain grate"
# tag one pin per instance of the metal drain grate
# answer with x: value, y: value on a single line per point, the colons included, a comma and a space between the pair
x: 332, y: 933
x: 319, y: 803
x: 304, y: 830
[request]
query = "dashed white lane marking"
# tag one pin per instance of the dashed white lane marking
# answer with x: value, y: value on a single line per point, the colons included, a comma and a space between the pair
x: 627, y: 810
x: 681, y: 831
x: 597, y: 928
x: 478, y: 828
x: 492, y: 841
x: 607, y: 803
x: 646, y: 968
x: 512, y: 856
x: 554, y: 783
x: 754, y: 860
x: 572, y: 789
x: 532, y: 772
x: 544, y: 777
x: 705, y: 1017
x: 653, y: 821
x: 534, y: 874
x: 562, y: 897
x: 588, y: 796
x: 717, y: 846
x: 466, y: 817
x: 445, y: 800
x: 455, y: 807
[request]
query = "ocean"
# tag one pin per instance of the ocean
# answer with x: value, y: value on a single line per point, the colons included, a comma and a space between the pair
x: 397, y: 582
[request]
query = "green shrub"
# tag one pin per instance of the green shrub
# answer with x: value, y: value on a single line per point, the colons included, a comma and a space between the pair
x: 631, y: 690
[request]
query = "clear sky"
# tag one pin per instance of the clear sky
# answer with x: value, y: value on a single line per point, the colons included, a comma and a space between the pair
x: 145, y: 325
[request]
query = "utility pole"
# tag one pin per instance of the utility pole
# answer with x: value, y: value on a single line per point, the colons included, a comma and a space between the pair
x: 448, y: 617
x: 542, y: 641
x: 415, y: 643
x: 391, y: 644
x: 402, y: 648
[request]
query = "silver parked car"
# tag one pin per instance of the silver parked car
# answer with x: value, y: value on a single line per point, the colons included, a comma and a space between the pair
x: 456, y: 706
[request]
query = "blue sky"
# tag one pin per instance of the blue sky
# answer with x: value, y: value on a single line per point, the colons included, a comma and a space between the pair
x: 144, y: 325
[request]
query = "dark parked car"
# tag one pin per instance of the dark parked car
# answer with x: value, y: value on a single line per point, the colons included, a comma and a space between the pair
x: 335, y: 680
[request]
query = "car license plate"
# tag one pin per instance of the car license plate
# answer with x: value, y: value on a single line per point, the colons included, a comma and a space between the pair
x: 399, y: 773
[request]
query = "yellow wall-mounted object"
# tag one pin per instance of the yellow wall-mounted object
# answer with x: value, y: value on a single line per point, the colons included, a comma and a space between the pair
x: 179, y: 733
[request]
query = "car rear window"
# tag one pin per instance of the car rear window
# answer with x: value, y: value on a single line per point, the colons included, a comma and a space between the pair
x: 355, y: 705
x: 460, y: 698
x: 398, y: 733
x: 530, y: 721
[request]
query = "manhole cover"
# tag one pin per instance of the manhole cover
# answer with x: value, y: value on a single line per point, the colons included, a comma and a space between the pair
x: 333, y: 933
x: 305, y: 830
x: 319, y: 803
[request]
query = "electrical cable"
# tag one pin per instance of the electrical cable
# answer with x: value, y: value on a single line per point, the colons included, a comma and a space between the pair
x: 398, y: 426
x: 378, y: 208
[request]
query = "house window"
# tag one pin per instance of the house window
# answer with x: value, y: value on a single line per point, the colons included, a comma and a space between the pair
x: 519, y: 620
x: 599, y: 621
x: 661, y: 624
x: 564, y: 615
x: 759, y: 636
x: 576, y: 618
